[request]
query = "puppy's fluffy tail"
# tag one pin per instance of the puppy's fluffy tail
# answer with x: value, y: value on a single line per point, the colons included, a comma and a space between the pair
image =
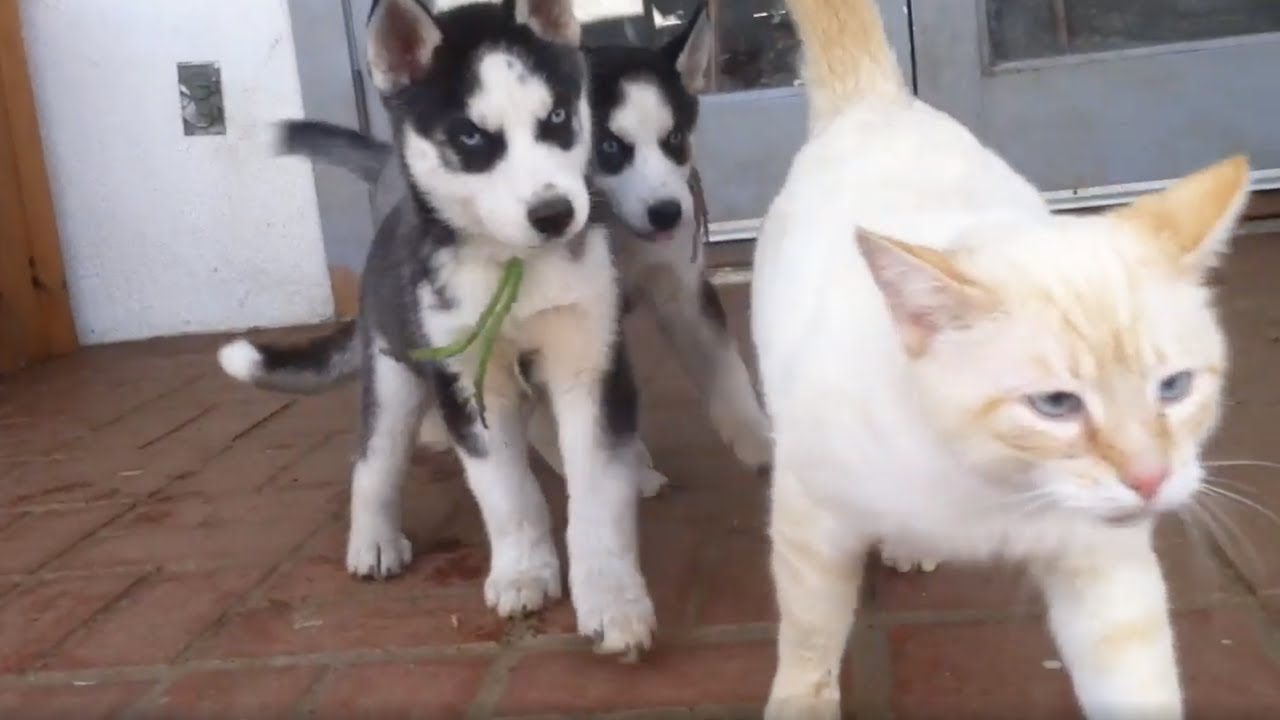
x: 308, y: 367
x: 357, y: 153
x: 846, y: 55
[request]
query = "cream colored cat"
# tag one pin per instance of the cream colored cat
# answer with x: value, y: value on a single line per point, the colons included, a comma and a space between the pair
x: 955, y: 372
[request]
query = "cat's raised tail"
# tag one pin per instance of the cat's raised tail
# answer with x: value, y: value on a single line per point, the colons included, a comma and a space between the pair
x: 846, y: 55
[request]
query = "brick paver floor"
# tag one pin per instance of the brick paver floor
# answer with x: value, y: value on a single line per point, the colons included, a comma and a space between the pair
x: 171, y: 546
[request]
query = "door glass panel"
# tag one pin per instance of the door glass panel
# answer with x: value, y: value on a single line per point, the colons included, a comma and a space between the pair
x: 756, y: 45
x: 1026, y: 29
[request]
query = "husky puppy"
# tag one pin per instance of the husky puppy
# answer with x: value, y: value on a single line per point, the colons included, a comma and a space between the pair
x: 493, y: 133
x: 644, y: 103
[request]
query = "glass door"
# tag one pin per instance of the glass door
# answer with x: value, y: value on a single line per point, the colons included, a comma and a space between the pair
x: 1098, y: 100
x: 753, y: 114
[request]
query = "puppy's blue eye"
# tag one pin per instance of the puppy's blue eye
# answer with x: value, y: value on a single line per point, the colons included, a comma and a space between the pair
x: 557, y: 116
x: 467, y: 133
x: 675, y: 136
x: 1176, y: 387
x: 609, y: 146
x: 1057, y: 405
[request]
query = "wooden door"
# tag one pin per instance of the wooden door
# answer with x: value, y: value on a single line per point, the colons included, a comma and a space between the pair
x: 35, y: 311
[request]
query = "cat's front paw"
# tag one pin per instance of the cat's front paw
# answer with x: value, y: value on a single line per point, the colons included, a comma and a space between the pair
x: 613, y: 607
x: 801, y: 707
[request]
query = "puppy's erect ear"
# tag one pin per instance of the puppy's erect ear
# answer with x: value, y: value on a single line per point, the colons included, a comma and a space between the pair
x: 692, y: 51
x: 551, y: 20
x: 402, y: 38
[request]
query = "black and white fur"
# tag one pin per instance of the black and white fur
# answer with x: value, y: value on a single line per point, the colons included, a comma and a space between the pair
x: 644, y: 106
x: 492, y: 129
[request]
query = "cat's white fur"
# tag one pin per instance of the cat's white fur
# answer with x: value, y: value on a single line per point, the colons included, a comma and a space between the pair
x: 895, y: 376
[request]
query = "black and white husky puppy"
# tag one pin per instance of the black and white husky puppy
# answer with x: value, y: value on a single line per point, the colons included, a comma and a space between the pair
x: 493, y: 134
x: 645, y: 107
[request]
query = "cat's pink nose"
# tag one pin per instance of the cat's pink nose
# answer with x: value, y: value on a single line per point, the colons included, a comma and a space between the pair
x: 1146, y: 481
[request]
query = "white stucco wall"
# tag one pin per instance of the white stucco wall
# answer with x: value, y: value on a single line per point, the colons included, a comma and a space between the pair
x: 166, y: 234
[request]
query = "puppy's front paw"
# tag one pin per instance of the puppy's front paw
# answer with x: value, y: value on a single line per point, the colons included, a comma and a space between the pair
x: 377, y: 549
x: 651, y: 481
x: 613, y: 608
x: 524, y: 581
x: 750, y: 444
x: 904, y: 560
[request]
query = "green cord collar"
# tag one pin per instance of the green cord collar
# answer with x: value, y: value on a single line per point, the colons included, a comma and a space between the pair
x: 485, y: 330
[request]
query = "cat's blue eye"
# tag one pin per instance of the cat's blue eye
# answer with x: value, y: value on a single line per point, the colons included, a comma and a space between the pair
x: 1057, y: 405
x: 1176, y: 387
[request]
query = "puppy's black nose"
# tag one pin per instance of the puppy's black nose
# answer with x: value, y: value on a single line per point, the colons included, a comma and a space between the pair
x: 552, y: 216
x: 664, y: 215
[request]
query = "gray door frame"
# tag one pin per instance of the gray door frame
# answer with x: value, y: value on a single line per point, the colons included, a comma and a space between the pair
x: 1102, y: 128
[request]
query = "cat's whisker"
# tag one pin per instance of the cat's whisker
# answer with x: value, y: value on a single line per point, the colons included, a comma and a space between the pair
x: 1219, y: 492
x: 1230, y: 483
x: 1026, y: 502
x: 1240, y: 463
x: 1202, y: 547
x: 1226, y: 532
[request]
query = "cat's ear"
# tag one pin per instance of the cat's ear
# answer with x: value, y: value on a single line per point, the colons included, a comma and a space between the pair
x: 691, y: 51
x: 402, y: 38
x: 924, y: 290
x: 1193, y: 219
x: 551, y: 20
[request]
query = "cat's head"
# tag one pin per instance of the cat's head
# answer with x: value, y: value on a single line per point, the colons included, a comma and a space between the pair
x: 1079, y: 360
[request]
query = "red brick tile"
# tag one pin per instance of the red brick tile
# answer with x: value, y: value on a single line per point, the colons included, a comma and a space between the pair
x: 950, y: 588
x: 937, y: 672
x: 327, y: 464
x: 309, y: 425
x: 375, y: 621
x: 671, y: 677
x: 169, y: 611
x: 173, y: 437
x: 445, y: 565
x: 420, y: 691
x: 1191, y: 567
x: 196, y: 531
x: 37, y: 537
x: 257, y: 693
x: 35, y: 618
x: 1227, y: 671
x: 82, y: 702
x: 444, y: 561
x: 736, y: 588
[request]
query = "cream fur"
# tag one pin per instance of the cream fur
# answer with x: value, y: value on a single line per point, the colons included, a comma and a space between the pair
x: 901, y: 327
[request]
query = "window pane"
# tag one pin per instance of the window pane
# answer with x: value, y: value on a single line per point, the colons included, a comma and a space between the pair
x: 756, y: 45
x: 1023, y: 29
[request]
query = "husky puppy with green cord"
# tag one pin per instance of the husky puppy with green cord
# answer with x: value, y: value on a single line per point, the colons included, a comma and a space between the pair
x: 493, y: 129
